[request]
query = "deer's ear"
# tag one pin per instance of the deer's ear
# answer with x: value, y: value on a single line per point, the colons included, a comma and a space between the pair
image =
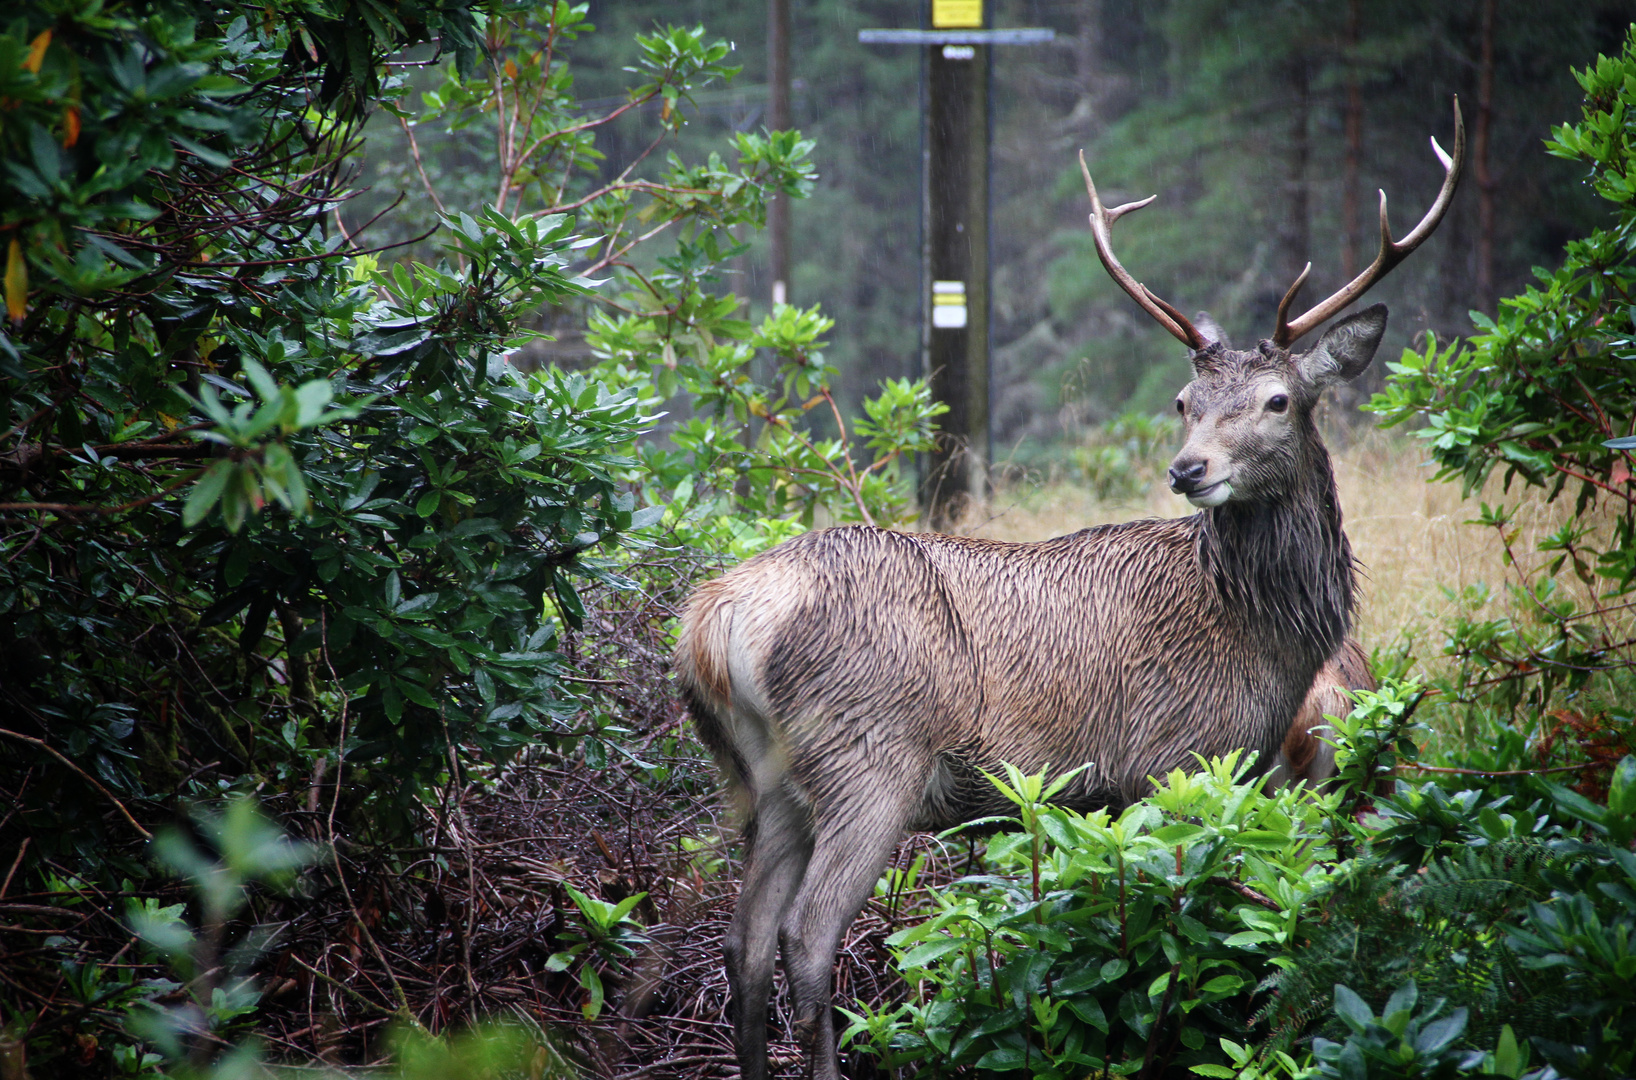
x: 1211, y: 330
x: 1346, y: 348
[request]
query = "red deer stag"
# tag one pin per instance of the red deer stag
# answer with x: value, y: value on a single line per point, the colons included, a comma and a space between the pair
x: 854, y: 682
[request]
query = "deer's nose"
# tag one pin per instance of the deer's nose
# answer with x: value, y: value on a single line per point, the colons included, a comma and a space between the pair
x: 1185, y: 475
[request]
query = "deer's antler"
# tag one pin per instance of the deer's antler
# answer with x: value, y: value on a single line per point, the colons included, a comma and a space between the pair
x: 1391, y: 252
x: 1102, y: 220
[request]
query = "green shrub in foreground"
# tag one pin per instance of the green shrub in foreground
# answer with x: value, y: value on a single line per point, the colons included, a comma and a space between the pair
x: 1096, y: 941
x: 1217, y: 928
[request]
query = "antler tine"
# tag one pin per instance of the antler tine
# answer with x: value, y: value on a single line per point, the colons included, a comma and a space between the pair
x: 1289, y: 296
x: 1102, y: 220
x: 1391, y: 252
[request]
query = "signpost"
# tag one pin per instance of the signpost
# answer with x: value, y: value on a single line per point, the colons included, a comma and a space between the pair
x: 955, y: 331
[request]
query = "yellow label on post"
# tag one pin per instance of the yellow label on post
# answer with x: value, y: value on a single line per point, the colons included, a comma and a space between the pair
x: 949, y: 305
x: 956, y: 14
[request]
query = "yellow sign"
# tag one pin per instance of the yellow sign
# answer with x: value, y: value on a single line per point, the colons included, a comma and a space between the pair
x: 956, y: 14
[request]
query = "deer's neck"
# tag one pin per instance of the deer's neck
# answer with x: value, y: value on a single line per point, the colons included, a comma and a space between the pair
x: 1284, y: 569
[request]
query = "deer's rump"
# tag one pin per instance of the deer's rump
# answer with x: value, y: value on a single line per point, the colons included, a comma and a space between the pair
x: 920, y: 661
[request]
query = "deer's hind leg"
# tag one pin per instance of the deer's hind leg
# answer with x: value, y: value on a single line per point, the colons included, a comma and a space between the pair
x: 780, y: 845
x: 852, y: 843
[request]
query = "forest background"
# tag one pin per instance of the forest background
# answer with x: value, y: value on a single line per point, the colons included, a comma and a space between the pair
x: 303, y: 512
x: 1265, y: 133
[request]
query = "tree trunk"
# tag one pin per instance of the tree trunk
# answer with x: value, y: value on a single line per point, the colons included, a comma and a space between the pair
x: 1295, y: 233
x: 778, y: 119
x: 1087, y: 55
x: 1479, y: 164
x: 1351, y: 193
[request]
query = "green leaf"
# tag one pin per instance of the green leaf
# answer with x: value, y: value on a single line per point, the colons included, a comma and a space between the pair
x: 1508, y: 1057
x: 206, y: 491
x: 625, y: 907
x: 592, y: 983
x: 1003, y: 1059
x: 1178, y: 833
x: 311, y: 399
x: 1089, y: 1010
x: 924, y: 955
x: 1440, y: 1034
x: 1351, y: 1009
x: 568, y: 599
x: 646, y: 516
x: 1262, y: 840
x: 1622, y: 788
x: 1223, y: 984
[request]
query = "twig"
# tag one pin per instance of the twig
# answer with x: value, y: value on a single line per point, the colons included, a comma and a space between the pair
x: 471, y: 863
x: 1148, y: 1063
x: 692, y: 1059
x: 80, y: 508
x: 846, y: 441
x: 39, y: 531
x: 41, y: 411
x: 1615, y: 492
x: 288, y: 1038
x: 83, y: 775
x: 603, y: 263
x: 414, y: 151
x: 350, y: 992
x: 15, y: 863
x: 1502, y: 772
x: 46, y: 909
x: 1247, y: 893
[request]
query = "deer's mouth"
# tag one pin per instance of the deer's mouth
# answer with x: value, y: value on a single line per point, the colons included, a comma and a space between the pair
x: 1211, y: 494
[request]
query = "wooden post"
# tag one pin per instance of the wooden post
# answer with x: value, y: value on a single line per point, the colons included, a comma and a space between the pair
x: 954, y: 335
x: 955, y: 326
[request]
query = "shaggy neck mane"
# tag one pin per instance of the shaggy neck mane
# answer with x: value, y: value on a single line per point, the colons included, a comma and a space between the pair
x: 1284, y: 568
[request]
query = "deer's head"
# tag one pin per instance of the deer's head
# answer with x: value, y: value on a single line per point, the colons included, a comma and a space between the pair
x: 1248, y: 414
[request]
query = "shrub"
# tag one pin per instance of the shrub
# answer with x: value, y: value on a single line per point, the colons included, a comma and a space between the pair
x: 1098, y: 942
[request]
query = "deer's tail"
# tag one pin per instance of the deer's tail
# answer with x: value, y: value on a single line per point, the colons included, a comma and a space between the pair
x: 703, y: 668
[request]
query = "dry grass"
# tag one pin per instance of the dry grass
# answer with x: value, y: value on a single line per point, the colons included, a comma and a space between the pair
x: 1409, y: 533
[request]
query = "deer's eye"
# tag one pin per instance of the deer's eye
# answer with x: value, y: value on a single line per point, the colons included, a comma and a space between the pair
x: 1180, y: 407
x: 1278, y: 402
